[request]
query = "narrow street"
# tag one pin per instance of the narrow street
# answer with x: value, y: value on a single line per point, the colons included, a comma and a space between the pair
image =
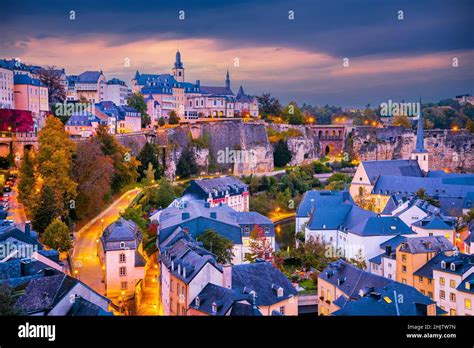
x: 85, y: 253
x: 16, y: 209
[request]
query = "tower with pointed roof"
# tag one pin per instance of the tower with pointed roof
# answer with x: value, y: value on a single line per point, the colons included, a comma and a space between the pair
x: 227, y: 80
x: 178, y: 69
x: 419, y: 153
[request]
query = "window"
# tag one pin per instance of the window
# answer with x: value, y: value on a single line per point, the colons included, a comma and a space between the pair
x: 171, y: 305
x: 282, y: 310
x: 123, y: 271
x: 323, y: 310
x: 404, y: 269
x: 404, y: 281
x: 430, y: 294
x: 452, y: 283
x: 214, y: 308
x: 422, y: 291
x: 404, y: 258
x: 122, y: 258
x: 442, y: 294
x: 430, y: 281
x: 171, y: 285
x: 452, y: 297
x: 280, y: 292
x: 420, y: 279
x: 467, y: 303
x: 452, y: 312
x: 441, y: 281
x: 177, y: 288
x: 124, y: 285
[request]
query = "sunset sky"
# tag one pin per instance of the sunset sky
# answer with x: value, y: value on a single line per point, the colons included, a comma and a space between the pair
x: 298, y: 59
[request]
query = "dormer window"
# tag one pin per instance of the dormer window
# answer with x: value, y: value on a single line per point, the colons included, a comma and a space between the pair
x: 452, y: 267
x: 179, y: 269
x: 280, y: 292
x: 122, y: 245
x: 214, y: 308
x: 197, y: 301
x: 468, y: 286
x: 443, y: 264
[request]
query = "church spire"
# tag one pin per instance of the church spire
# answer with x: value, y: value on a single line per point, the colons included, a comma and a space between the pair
x: 178, y: 64
x: 227, y: 80
x: 419, y: 148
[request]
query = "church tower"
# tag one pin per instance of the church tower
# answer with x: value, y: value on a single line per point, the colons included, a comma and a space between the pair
x: 420, y: 154
x: 227, y: 80
x: 178, y: 69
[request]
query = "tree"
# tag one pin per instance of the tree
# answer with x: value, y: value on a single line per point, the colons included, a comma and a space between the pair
x: 93, y: 172
x: 55, y: 161
x: 137, y: 101
x: 359, y: 260
x: 186, y: 166
x: 401, y: 120
x: 337, y: 181
x: 46, y: 208
x: 421, y: 194
x: 218, y: 245
x: 260, y: 246
x: 51, y: 77
x: 149, y: 174
x: 173, y: 118
x: 27, y: 179
x: 268, y: 106
x: 165, y: 193
x: 293, y: 114
x: 56, y: 236
x: 281, y: 154
x: 469, y: 216
x: 149, y: 154
x: 161, y: 121
x: 125, y: 165
x: 136, y: 215
x: 7, y: 301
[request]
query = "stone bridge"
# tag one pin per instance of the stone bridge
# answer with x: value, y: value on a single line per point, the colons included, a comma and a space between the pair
x: 17, y: 143
x: 331, y: 138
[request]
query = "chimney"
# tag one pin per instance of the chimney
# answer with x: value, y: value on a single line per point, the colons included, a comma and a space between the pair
x: 185, y: 215
x: 227, y: 276
x: 388, y: 250
x: 28, y: 228
x: 213, y: 215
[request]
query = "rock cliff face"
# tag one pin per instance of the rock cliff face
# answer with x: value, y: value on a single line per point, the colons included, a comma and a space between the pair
x: 226, y: 146
x: 452, y: 150
x: 304, y: 148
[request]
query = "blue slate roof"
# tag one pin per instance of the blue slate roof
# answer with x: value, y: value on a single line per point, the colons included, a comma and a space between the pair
x: 426, y: 244
x: 350, y: 279
x: 224, y: 299
x: 216, y: 187
x: 82, y: 307
x: 314, y: 198
x: 264, y: 279
x: 409, y: 168
x: 242, y: 97
x: 119, y: 231
x: 116, y: 81
x: 393, y: 242
x: 461, y: 263
x: 420, y: 147
x: 89, y: 77
x: 467, y: 285
x: 329, y: 217
x: 468, y: 202
x: 435, y: 222
x: 7, y: 232
x: 84, y: 118
x: 382, y: 302
x: 427, y: 269
x: 117, y: 111
x: 216, y: 91
x: 377, y: 259
x: 23, y: 79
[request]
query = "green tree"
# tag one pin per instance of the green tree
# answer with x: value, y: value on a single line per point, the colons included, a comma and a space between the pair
x: 149, y: 174
x: 359, y: 260
x: 173, y: 118
x: 137, y: 101
x: 55, y: 162
x: 218, y: 245
x: 7, y: 301
x: 421, y: 194
x: 56, y: 236
x: 293, y: 114
x: 186, y: 166
x: 136, y: 215
x: 281, y: 154
x: 268, y: 106
x: 149, y: 154
x: 165, y: 193
x: 46, y: 208
x: 27, y: 179
x: 161, y: 121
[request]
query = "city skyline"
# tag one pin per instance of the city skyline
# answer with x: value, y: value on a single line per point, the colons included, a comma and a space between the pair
x: 388, y: 58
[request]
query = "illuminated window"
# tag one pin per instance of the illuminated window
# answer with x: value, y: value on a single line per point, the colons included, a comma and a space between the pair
x: 467, y: 303
x: 441, y: 281
x: 452, y: 283
x: 452, y: 312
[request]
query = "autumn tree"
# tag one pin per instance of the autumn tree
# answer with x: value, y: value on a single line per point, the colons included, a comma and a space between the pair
x: 93, y: 172
x: 125, y: 165
x: 27, y: 179
x: 218, y: 245
x: 56, y: 236
x: 401, y: 120
x: 358, y: 260
x: 173, y: 118
x: 260, y: 246
x: 55, y: 162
